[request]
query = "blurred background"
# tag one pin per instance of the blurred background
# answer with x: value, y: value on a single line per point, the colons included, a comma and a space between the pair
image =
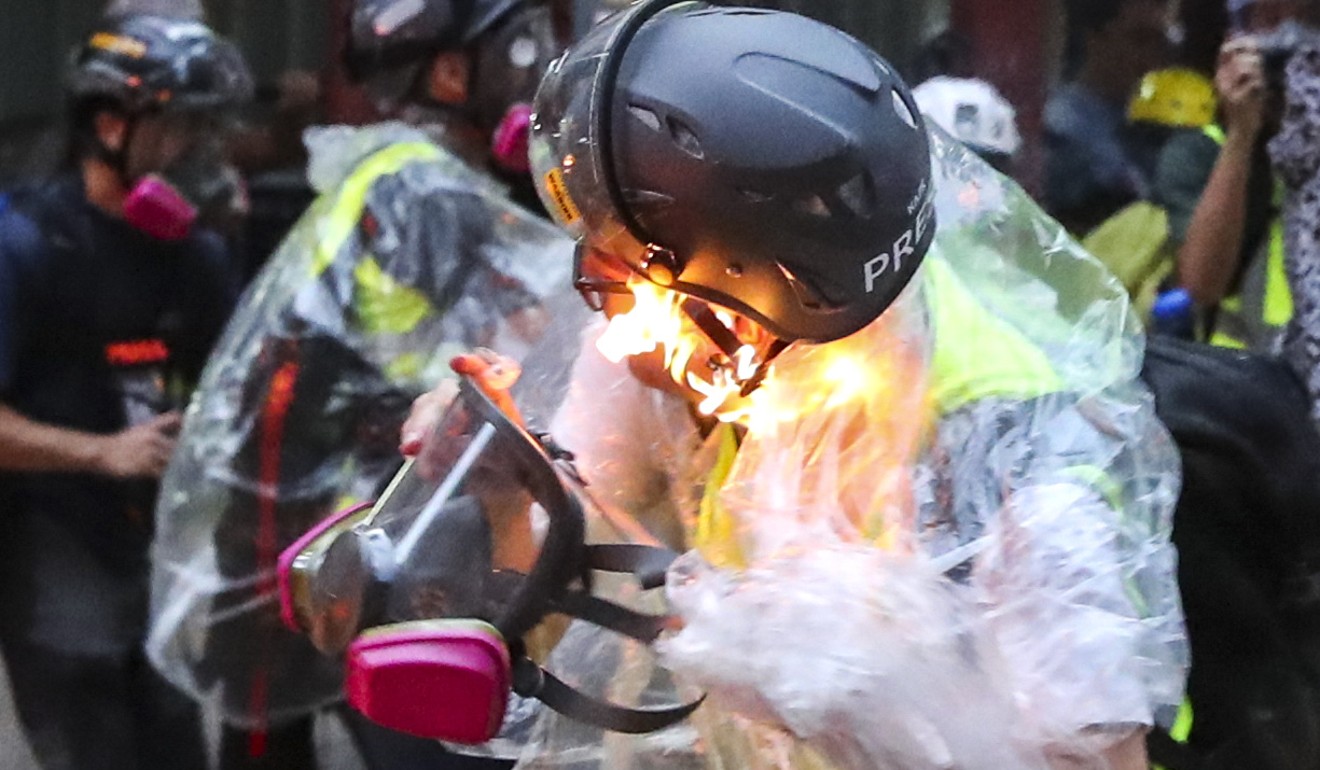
x: 1019, y: 46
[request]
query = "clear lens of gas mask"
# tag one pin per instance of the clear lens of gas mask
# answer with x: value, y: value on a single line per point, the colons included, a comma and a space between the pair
x: 459, y: 545
x: 432, y: 591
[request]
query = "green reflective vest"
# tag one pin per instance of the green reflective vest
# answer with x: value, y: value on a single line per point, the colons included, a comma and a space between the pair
x: 1257, y: 313
x: 381, y: 304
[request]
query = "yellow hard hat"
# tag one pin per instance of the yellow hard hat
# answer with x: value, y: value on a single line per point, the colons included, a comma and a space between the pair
x: 1176, y: 97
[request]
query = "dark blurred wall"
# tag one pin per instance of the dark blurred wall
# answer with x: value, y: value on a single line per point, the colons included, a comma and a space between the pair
x: 1017, y: 46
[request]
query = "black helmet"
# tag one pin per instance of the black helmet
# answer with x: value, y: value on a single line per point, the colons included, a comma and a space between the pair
x: 145, y: 62
x: 390, y: 34
x: 754, y: 159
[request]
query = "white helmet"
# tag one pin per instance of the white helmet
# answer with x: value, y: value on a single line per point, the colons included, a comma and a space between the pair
x: 972, y: 111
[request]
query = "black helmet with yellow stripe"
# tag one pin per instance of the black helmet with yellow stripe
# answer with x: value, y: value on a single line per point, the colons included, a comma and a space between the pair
x: 144, y: 63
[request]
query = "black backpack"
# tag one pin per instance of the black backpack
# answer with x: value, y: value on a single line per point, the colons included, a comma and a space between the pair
x: 1247, y: 528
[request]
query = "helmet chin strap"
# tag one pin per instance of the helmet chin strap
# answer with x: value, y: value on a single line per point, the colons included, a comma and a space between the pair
x: 729, y: 344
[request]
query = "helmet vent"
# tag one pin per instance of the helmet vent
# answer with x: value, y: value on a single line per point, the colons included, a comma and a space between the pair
x: 904, y: 112
x: 858, y: 195
x: 647, y: 199
x: 812, y: 205
x: 685, y: 138
x: 648, y: 118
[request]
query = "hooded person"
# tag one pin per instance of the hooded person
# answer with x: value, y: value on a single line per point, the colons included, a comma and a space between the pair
x: 924, y: 497
x: 111, y: 295
x: 414, y: 249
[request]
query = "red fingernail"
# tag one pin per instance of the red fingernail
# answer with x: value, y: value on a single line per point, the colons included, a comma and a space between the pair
x: 465, y: 364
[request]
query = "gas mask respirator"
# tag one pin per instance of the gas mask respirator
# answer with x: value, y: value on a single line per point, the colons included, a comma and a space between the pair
x: 437, y: 594
x: 166, y: 203
x: 508, y: 67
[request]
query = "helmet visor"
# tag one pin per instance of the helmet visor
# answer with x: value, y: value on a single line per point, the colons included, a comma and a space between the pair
x: 213, y: 75
x: 570, y: 141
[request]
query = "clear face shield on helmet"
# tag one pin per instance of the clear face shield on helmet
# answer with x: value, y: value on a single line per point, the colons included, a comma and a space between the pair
x: 437, y: 594
x: 717, y: 354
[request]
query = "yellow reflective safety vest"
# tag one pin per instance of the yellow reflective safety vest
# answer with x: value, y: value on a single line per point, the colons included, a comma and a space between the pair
x: 1256, y: 314
x: 993, y: 360
x: 381, y: 304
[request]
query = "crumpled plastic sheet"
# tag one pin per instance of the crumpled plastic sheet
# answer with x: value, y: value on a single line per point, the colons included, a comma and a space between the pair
x: 298, y: 413
x: 1031, y: 522
x: 874, y: 659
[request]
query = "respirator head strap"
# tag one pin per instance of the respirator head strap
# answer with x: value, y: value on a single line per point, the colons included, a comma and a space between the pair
x: 532, y: 681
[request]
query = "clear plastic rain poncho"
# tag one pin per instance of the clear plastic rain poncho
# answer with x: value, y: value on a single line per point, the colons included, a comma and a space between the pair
x: 408, y: 257
x: 942, y: 542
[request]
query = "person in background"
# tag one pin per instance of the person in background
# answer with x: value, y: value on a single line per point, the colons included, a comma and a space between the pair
x: 1221, y: 195
x: 1167, y: 101
x: 1090, y: 172
x: 1134, y: 243
x: 110, y: 299
x: 415, y: 247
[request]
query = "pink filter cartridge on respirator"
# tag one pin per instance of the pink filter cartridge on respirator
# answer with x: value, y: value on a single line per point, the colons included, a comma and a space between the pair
x: 509, y: 143
x: 447, y: 680
x: 156, y: 208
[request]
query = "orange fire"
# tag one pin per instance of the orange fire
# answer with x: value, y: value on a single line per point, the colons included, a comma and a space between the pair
x: 657, y: 322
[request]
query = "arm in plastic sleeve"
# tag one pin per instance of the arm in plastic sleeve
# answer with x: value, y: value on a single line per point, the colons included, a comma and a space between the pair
x: 1076, y: 566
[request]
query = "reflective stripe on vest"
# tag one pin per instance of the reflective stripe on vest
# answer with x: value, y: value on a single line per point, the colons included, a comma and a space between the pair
x: 1181, y: 730
x: 716, y: 531
x: 1263, y: 304
x: 382, y: 305
x: 351, y: 198
x: 976, y: 356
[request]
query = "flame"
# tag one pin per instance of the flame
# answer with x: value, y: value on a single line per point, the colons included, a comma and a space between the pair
x: 657, y: 322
